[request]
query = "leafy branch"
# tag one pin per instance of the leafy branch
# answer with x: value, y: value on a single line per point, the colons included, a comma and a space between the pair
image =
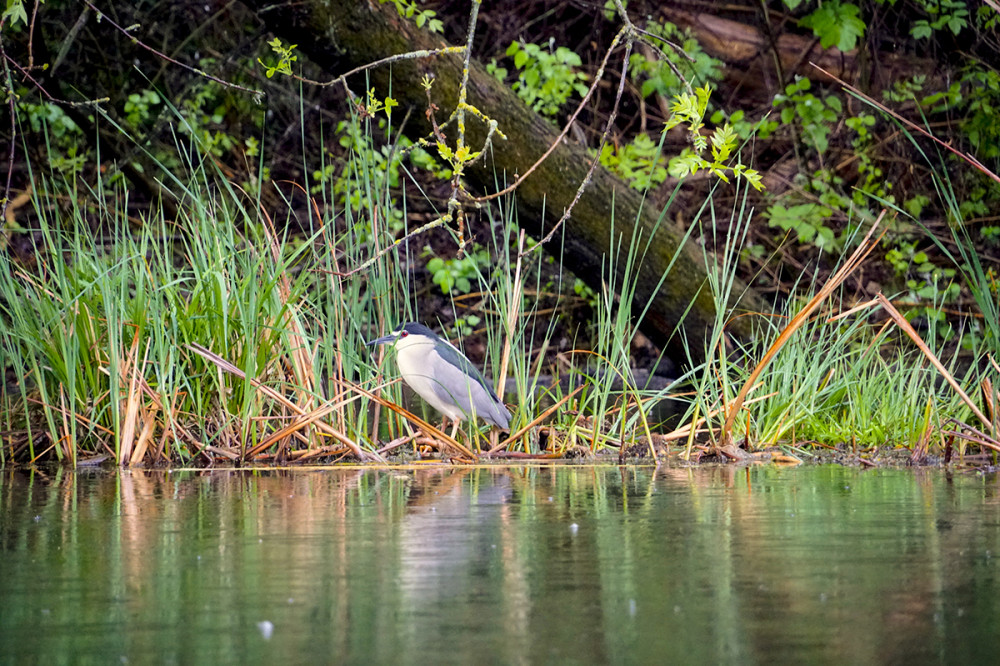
x: 689, y: 109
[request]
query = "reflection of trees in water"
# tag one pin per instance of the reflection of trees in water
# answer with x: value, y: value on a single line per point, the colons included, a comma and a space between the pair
x: 751, y: 563
x: 863, y: 567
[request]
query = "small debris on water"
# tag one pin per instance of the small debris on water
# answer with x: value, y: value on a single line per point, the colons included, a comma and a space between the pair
x: 266, y: 629
x: 573, y: 528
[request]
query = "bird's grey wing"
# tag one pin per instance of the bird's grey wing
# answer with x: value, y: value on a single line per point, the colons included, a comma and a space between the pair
x: 455, y: 383
x: 457, y: 358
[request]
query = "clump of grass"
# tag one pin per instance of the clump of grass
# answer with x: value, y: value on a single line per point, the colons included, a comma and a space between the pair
x: 823, y: 372
x: 102, y: 334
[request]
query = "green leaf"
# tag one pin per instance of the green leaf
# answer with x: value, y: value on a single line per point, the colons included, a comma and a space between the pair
x: 444, y: 151
x: 921, y: 30
x: 15, y: 11
x: 753, y: 177
x: 836, y: 24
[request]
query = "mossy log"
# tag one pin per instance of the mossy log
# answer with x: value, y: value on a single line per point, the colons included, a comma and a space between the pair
x: 341, y: 35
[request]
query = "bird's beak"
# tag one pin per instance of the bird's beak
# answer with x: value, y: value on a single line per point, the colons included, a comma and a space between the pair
x: 381, y: 341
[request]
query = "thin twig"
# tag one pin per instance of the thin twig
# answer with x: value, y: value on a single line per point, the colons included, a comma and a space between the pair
x: 569, y: 123
x: 9, y: 86
x: 917, y: 128
x: 410, y: 55
x: 597, y: 158
x: 104, y: 17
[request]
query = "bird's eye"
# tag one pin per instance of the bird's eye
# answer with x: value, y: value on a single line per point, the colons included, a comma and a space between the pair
x: 403, y: 334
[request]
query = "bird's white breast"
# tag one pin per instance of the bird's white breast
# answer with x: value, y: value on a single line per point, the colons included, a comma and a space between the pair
x: 415, y: 358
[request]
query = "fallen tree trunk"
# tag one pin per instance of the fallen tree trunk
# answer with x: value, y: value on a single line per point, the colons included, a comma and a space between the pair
x: 341, y: 35
x: 749, y: 54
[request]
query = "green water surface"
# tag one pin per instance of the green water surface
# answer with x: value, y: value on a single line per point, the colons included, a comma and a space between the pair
x: 567, y: 564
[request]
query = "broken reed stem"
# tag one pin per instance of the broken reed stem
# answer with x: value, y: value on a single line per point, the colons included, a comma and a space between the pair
x: 513, y: 312
x: 910, y: 331
x: 852, y: 263
x: 226, y: 366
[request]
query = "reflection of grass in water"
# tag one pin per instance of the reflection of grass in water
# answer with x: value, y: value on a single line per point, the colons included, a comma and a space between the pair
x: 383, y: 555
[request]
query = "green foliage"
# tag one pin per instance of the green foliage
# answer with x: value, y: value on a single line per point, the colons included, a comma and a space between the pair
x: 204, y: 114
x: 424, y: 18
x: 981, y: 118
x: 905, y: 90
x: 987, y: 17
x: 943, y: 100
x: 374, y: 105
x: 496, y: 71
x: 50, y: 118
x: 466, y: 325
x: 816, y: 116
x: 458, y: 274
x: 944, y: 14
x: 546, y: 78
x: 763, y: 128
x: 639, y: 162
x: 15, y: 12
x: 811, y: 207
x: 807, y: 220
x: 584, y: 291
x: 368, y: 167
x: 872, y: 181
x: 656, y: 74
x: 285, y: 59
x: 422, y: 159
x: 138, y: 106
x: 924, y: 279
x: 610, y: 10
x: 689, y: 109
x: 916, y: 204
x: 905, y: 257
x: 67, y: 147
x: 836, y: 23
x: 456, y: 158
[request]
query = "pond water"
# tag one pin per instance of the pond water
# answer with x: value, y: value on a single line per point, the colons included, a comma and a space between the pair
x: 504, y: 565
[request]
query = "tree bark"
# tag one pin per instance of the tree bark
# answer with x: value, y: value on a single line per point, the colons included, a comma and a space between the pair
x: 750, y: 57
x: 342, y: 34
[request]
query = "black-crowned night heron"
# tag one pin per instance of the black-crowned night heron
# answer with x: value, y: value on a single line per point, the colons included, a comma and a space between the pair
x: 443, y: 376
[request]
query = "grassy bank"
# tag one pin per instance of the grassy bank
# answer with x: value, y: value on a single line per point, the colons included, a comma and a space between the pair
x: 222, y: 335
